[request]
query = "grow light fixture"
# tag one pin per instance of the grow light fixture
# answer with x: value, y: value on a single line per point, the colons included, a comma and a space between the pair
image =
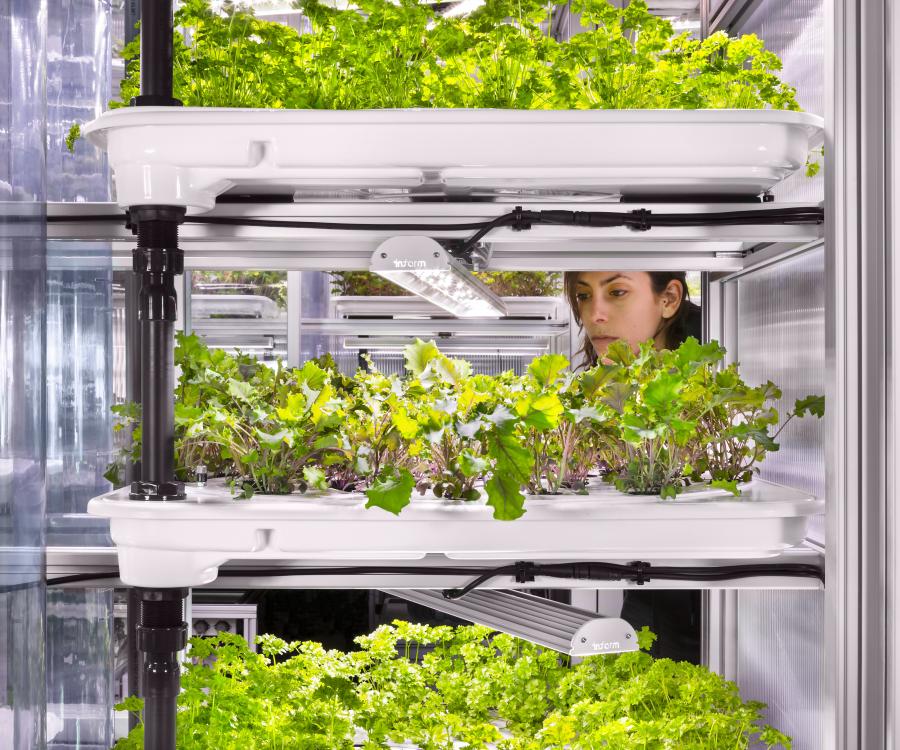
x: 561, y: 627
x: 422, y: 266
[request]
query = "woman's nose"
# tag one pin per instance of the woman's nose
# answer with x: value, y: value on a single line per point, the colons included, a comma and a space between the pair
x: 599, y: 311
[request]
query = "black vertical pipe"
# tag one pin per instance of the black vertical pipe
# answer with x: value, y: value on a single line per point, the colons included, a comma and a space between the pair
x: 162, y: 632
x: 156, y: 55
x: 161, y: 635
x: 157, y: 259
x: 157, y: 386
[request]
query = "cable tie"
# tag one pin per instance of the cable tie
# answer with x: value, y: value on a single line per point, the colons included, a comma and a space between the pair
x: 643, y: 220
x: 641, y: 572
x: 524, y: 572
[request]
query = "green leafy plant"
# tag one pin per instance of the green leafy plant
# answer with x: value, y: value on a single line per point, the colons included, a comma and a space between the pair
x: 437, y: 688
x: 384, y: 54
x: 682, y: 419
x: 736, y: 420
x: 651, y: 392
x: 454, y: 420
x: 72, y: 137
x: 652, y: 422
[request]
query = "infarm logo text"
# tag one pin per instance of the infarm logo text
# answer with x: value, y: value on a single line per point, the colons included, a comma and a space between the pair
x: 605, y: 646
x: 404, y: 263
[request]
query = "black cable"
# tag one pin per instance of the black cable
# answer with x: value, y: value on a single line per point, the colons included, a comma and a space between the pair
x: 337, y: 225
x: 642, y: 572
x: 523, y: 571
x: 639, y: 220
x: 284, y: 223
x: 355, y: 570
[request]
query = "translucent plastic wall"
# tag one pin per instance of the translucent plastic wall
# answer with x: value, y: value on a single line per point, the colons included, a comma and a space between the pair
x: 779, y: 649
x: 796, y: 32
x: 780, y: 323
x: 79, y: 358
x: 22, y: 372
x: 79, y: 283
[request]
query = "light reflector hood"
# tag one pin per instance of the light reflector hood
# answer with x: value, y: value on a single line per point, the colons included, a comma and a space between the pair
x: 563, y: 628
x: 422, y: 266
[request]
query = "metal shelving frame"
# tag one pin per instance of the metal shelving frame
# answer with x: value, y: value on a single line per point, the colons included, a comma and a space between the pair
x: 214, y: 247
x: 717, y: 250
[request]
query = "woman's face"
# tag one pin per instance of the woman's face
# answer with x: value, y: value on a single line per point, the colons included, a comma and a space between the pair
x: 622, y: 305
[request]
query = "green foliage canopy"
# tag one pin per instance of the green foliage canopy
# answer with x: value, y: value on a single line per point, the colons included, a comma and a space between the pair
x: 433, y: 686
x: 651, y: 422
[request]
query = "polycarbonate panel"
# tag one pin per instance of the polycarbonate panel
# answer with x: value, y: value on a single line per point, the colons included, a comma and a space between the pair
x: 315, y: 294
x: 780, y: 660
x: 80, y: 669
x: 779, y: 335
x: 795, y: 32
x: 23, y: 252
x: 79, y: 392
x: 79, y: 281
x: 78, y: 90
x: 79, y: 376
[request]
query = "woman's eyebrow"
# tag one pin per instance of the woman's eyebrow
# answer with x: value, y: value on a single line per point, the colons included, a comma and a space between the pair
x: 613, y: 278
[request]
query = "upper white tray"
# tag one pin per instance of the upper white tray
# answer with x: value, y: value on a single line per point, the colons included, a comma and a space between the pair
x: 187, y: 156
x: 183, y: 543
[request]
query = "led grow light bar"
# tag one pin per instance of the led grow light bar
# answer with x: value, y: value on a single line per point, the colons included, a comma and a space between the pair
x: 563, y: 628
x: 420, y: 265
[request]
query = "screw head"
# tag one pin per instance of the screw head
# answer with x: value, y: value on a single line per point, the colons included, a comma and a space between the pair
x: 583, y: 640
x: 384, y: 255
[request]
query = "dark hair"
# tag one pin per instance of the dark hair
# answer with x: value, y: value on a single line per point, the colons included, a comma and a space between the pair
x: 687, y: 320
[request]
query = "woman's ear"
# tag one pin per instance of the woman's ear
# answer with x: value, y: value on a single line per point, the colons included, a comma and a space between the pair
x: 671, y: 298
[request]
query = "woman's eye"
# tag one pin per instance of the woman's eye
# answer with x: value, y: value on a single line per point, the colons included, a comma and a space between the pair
x: 582, y: 296
x: 617, y: 292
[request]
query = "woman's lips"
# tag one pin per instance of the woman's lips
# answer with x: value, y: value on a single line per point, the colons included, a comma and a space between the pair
x: 603, y: 340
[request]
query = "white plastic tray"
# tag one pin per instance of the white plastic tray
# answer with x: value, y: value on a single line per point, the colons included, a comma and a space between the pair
x: 188, y: 156
x: 183, y: 543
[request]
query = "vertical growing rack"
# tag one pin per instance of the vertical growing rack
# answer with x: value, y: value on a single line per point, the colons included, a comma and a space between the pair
x: 160, y: 257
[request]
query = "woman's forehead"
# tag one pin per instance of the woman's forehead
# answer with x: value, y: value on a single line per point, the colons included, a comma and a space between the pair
x: 601, y: 278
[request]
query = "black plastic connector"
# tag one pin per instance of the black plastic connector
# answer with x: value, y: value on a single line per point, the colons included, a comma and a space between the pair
x: 524, y: 572
x: 642, y: 220
x: 640, y: 572
x: 141, y: 490
x: 521, y: 220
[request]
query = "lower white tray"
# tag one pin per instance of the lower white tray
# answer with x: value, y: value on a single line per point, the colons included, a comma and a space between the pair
x: 168, y: 544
